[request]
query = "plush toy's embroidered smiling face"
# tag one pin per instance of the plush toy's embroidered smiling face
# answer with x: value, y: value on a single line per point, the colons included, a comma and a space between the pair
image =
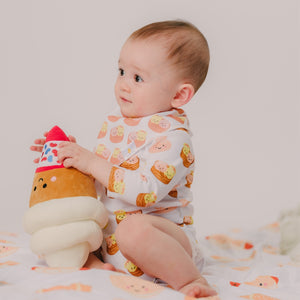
x: 60, y: 183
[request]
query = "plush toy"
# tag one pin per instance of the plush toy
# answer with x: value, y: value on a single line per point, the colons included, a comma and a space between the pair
x: 290, y: 233
x: 65, y: 218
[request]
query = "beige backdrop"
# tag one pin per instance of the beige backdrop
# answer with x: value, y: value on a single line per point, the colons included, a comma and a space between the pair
x: 58, y: 63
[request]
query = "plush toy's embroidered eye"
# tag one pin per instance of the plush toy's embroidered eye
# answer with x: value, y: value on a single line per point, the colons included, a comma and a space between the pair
x: 44, y: 185
x: 34, y: 188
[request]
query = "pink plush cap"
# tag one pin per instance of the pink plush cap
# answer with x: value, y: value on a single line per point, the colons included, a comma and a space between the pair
x: 49, y: 160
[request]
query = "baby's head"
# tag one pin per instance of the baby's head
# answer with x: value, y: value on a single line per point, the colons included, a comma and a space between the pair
x: 161, y: 67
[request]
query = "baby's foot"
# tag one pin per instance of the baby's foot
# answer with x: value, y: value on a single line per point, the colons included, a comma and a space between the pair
x: 198, y: 288
x: 94, y: 263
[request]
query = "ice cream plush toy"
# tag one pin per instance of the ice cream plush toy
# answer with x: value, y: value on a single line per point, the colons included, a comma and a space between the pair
x: 65, y: 218
x: 289, y: 224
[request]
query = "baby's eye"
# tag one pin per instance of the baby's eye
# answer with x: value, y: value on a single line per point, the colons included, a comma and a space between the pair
x: 138, y: 78
x: 121, y: 72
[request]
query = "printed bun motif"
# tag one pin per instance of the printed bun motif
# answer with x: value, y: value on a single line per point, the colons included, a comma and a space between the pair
x: 117, y: 134
x: 113, y: 118
x: 103, y: 130
x: 117, y: 157
x: 179, y: 119
x: 188, y: 220
x: 163, y: 172
x: 187, y: 156
x: 116, y: 182
x: 159, y: 124
x: 132, y: 121
x: 133, y: 269
x: 103, y: 151
x: 189, y: 179
x: 133, y: 163
x: 146, y: 199
x: 173, y: 193
x: 122, y: 214
x: 111, y: 244
x: 138, y: 137
x: 136, y: 287
x: 161, y: 144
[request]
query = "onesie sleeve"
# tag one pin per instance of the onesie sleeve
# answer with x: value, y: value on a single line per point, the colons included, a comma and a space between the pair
x: 147, y: 177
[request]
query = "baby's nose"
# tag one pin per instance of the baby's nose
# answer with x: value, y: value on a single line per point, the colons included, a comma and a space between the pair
x: 125, y: 86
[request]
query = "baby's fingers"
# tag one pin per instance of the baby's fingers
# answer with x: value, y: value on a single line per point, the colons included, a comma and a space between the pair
x: 36, y: 160
x: 36, y: 148
x: 72, y: 138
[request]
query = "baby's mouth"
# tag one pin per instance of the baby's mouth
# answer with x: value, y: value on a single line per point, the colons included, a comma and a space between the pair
x: 125, y: 100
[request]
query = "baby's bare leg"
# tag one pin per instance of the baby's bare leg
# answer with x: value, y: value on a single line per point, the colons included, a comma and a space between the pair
x: 161, y: 249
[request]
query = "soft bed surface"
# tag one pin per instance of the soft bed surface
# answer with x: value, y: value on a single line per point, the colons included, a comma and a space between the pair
x: 239, y: 265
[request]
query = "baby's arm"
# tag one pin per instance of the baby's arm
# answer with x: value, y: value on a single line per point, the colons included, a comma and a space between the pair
x: 160, y: 168
x: 73, y: 155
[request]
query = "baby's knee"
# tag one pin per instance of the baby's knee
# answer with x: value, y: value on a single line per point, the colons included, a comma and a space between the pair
x: 131, y: 231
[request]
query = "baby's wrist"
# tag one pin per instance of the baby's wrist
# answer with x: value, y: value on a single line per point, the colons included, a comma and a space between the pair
x: 92, y: 165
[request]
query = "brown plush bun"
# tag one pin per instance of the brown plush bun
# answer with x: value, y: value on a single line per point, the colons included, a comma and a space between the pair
x: 61, y: 183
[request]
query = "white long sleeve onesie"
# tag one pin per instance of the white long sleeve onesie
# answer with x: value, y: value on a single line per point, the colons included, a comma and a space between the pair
x: 152, y: 174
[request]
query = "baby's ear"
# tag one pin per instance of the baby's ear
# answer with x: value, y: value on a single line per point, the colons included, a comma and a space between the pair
x: 184, y: 94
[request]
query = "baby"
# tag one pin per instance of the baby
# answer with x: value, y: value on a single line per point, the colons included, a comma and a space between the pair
x: 144, y: 158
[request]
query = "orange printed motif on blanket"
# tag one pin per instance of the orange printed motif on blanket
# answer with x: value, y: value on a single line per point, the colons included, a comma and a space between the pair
x: 241, y: 268
x: 5, y: 251
x: 228, y: 259
x: 12, y: 234
x: 6, y: 242
x: 72, y: 287
x: 136, y: 286
x: 271, y: 249
x: 8, y: 263
x: 204, y: 298
x: 225, y: 241
x: 259, y: 297
x: 266, y: 282
x: 49, y: 270
x: 273, y: 227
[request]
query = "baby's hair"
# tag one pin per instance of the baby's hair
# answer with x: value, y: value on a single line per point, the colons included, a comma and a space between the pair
x: 186, y: 45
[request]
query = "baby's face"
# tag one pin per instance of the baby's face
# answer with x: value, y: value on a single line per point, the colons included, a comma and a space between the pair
x: 147, y: 81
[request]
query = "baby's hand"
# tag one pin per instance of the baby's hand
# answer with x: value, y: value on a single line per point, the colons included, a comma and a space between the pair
x: 73, y: 155
x: 39, y: 144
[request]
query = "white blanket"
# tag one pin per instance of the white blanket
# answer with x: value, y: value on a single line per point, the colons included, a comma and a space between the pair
x: 239, y: 265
